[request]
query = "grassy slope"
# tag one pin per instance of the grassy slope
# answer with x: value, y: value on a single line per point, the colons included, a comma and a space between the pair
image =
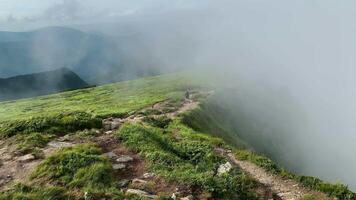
x: 109, y: 99
x: 75, y: 110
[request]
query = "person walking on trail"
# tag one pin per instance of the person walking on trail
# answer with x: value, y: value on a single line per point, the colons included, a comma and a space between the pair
x: 187, y: 94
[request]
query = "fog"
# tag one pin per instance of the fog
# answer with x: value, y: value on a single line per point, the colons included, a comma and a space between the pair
x: 289, y: 66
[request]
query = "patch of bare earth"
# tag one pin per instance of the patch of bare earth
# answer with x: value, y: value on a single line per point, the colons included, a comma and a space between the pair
x: 15, y: 167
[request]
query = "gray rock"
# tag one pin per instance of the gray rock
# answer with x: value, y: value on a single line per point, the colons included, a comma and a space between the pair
x: 138, y: 181
x: 190, y: 197
x: 111, y: 124
x: 224, y: 168
x: 141, y: 193
x: 124, y: 159
x: 115, y: 125
x: 118, y: 166
x: 124, y: 183
x: 57, y: 144
x: 111, y: 155
x: 26, y: 158
x: 149, y: 175
x: 174, y: 196
x: 107, y: 126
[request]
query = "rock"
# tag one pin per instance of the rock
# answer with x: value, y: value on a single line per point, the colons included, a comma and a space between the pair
x: 174, y: 196
x: 141, y: 193
x: 118, y: 166
x: 108, y: 132
x: 149, y: 175
x: 107, y: 126
x: 56, y: 144
x: 224, y: 168
x: 26, y: 158
x: 124, y: 159
x: 138, y: 181
x: 190, y: 197
x: 111, y: 124
x: 111, y: 155
x: 6, y: 157
x: 124, y: 183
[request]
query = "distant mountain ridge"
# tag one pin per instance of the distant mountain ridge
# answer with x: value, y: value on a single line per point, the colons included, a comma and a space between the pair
x: 96, y: 58
x: 42, y: 83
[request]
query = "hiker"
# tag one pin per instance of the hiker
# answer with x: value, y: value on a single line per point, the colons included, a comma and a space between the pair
x: 187, y: 94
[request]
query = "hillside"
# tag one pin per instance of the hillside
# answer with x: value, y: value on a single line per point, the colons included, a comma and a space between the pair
x: 39, y: 84
x: 138, y: 139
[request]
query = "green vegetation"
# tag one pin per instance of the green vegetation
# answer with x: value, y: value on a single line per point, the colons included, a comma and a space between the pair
x: 211, y: 118
x: 31, y: 143
x: 24, y: 192
x: 80, y: 170
x: 80, y: 109
x: 159, y: 121
x: 180, y: 154
x: 122, y: 97
x: 66, y: 166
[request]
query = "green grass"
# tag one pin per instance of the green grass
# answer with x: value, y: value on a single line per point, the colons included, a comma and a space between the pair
x: 24, y: 192
x: 80, y: 109
x: 66, y: 166
x: 180, y: 154
x: 31, y: 143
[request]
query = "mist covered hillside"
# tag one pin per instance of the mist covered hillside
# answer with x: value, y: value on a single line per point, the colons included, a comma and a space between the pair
x: 97, y: 58
x: 39, y: 84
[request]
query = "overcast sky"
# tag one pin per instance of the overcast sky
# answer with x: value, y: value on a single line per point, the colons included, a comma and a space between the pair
x: 22, y: 14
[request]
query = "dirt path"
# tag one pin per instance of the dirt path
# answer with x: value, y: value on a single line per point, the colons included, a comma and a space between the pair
x: 281, y: 188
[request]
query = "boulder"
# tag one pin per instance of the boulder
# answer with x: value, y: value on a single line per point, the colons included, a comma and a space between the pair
x: 118, y: 166
x: 26, y: 158
x: 111, y: 124
x: 224, y: 168
x: 124, y: 159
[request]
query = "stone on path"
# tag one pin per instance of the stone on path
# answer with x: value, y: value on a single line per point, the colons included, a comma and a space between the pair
x: 224, y: 168
x: 26, y: 158
x: 118, y: 166
x: 141, y: 193
x: 57, y: 144
x: 148, y: 175
x: 111, y: 155
x: 124, y: 159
